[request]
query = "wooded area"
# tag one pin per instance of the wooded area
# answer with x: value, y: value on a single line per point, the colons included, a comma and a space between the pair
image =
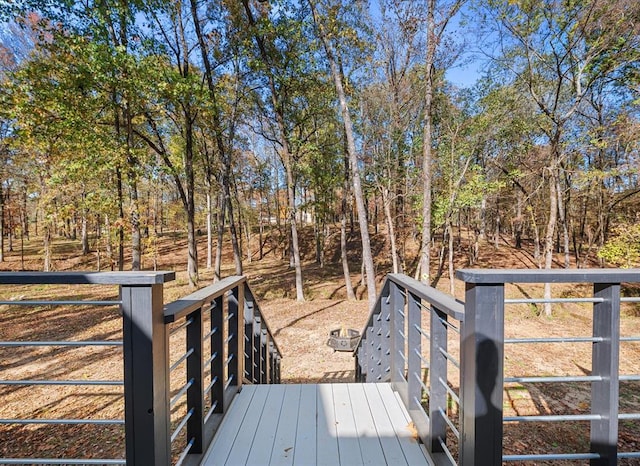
x: 123, y: 119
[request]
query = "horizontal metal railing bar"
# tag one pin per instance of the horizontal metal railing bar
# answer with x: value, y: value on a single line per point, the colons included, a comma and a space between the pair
x: 422, y: 332
x: 552, y: 300
x: 420, y: 407
x: 424, y: 387
x: 567, y: 456
x: 553, y: 418
x: 449, y: 357
x: 446, y: 450
x: 183, y: 423
x: 211, y: 411
x: 555, y: 340
x: 494, y: 276
x: 181, y: 393
x: 629, y: 416
x: 183, y: 358
x: 210, y: 360
x: 63, y: 421
x: 230, y: 337
x: 61, y: 382
x: 62, y: 343
x: 186, y: 323
x: 630, y: 299
x: 449, y: 390
x: 181, y: 307
x: 86, y: 278
x: 209, y: 334
x: 401, y: 354
x: 228, y: 382
x: 60, y: 303
x: 449, y: 325
x: 402, y: 334
x: 629, y: 338
x: 185, y: 452
x: 228, y: 360
x: 424, y: 361
x: 449, y: 423
x: 551, y: 457
x: 62, y: 461
x: 210, y: 386
x: 629, y: 378
x: 579, y: 378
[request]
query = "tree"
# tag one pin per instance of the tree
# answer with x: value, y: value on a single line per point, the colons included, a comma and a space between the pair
x: 556, y: 52
x: 327, y: 36
x: 439, y: 14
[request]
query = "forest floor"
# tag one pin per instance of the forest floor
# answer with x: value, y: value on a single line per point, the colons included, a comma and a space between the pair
x: 301, y: 330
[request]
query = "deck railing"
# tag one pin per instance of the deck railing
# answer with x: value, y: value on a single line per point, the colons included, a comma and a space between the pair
x: 170, y: 395
x: 465, y: 414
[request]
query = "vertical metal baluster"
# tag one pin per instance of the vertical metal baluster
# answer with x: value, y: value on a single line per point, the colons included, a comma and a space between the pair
x: 482, y: 375
x: 146, y: 365
x: 437, y: 371
x: 605, y: 362
x: 195, y: 401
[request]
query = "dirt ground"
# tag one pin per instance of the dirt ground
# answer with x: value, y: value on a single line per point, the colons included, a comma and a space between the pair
x: 301, y: 330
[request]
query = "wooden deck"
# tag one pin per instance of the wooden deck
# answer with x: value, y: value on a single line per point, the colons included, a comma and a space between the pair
x: 326, y: 424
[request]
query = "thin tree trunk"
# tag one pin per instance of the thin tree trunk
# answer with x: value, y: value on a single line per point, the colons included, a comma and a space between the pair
x: 338, y: 79
x: 551, y: 227
x: 343, y: 232
x: 563, y: 221
x: 386, y: 203
x: 220, y: 233
x: 209, y: 229
x: 2, y: 214
x: 47, y: 247
x: 84, y: 233
x: 452, y: 289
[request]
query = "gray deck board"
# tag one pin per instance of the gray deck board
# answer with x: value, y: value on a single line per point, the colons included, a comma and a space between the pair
x: 305, y: 451
x: 333, y: 424
x: 263, y: 443
x: 285, y: 441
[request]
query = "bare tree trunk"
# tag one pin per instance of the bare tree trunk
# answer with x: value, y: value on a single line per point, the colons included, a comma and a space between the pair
x: 338, y: 78
x: 48, y: 263
x: 391, y: 230
x: 343, y: 232
x: 2, y: 224
x: 220, y: 233
x: 209, y: 229
x: 551, y: 227
x: 285, y: 154
x: 425, y: 253
x: 452, y: 289
x: 84, y: 233
x: 563, y: 221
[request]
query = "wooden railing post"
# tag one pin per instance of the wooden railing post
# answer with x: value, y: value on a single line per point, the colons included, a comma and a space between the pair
x: 482, y: 375
x: 250, y: 360
x: 217, y: 348
x: 605, y: 356
x: 397, y: 332
x: 146, y: 394
x: 414, y: 347
x: 236, y: 343
x: 195, y: 372
x: 438, y: 376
